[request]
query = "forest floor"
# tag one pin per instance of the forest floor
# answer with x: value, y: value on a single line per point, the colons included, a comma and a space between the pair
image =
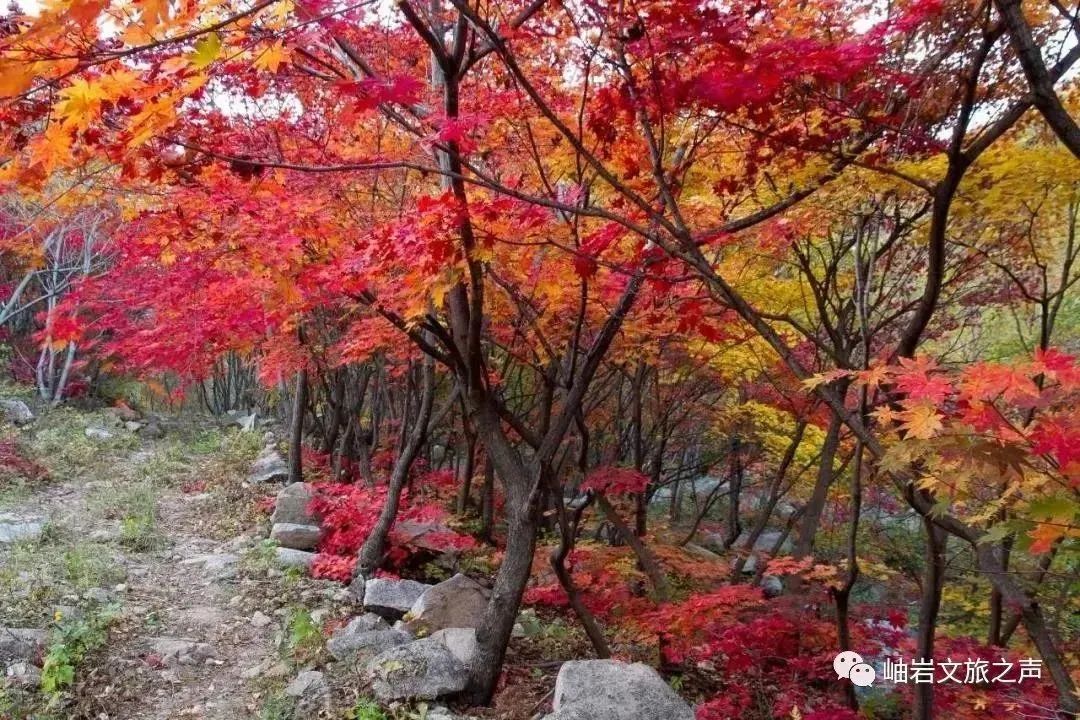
x: 153, y: 594
x: 149, y: 576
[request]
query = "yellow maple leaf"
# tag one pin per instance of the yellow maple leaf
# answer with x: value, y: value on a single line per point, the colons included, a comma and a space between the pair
x: 921, y: 421
x: 206, y: 51
x: 80, y: 103
x: 272, y: 57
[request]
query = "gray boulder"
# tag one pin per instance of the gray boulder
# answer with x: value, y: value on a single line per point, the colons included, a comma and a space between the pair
x: 311, y: 691
x: 180, y: 651
x: 151, y: 431
x: 422, y: 670
x: 269, y: 467
x: 772, y: 586
x: 611, y: 690
x: 392, y: 598
x: 220, y: 566
x: 16, y: 528
x: 22, y: 675
x: 459, y: 602
x: 461, y: 642
x: 763, y: 545
x: 21, y: 644
x: 291, y: 505
x: 16, y: 411
x: 364, y: 644
x: 290, y: 558
x: 297, y: 537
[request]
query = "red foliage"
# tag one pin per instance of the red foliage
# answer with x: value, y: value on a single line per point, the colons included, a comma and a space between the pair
x: 350, y: 512
x: 333, y: 567
x: 14, y: 463
x: 616, y: 480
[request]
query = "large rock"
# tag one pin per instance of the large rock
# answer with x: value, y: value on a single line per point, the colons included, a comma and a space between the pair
x: 21, y: 644
x: 297, y: 537
x: 269, y: 467
x: 289, y: 558
x: 611, y: 690
x: 421, y: 670
x: 762, y: 546
x: 461, y: 642
x: 291, y: 505
x: 16, y: 411
x: 459, y: 602
x: 16, y: 528
x: 392, y: 598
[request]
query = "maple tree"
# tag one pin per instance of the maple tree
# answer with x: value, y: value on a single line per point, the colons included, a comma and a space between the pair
x: 621, y: 247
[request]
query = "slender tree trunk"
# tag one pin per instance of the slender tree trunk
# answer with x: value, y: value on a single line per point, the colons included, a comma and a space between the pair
x: 645, y: 558
x: 373, y: 550
x: 568, y: 526
x: 815, y: 506
x: 933, y: 582
x: 734, y: 523
x: 775, y: 487
x: 296, y: 433
x: 842, y: 595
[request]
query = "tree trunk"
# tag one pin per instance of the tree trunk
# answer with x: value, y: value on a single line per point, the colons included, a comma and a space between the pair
x: 645, y: 558
x: 487, y: 504
x: 374, y: 549
x: 933, y: 582
x: 493, y: 637
x: 815, y: 506
x: 296, y: 433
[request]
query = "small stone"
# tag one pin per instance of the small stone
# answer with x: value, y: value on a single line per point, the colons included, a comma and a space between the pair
x: 104, y: 535
x: 219, y: 565
x: 152, y: 431
x: 459, y: 641
x: 180, y: 651
x: 100, y: 596
x: 260, y: 619
x: 21, y: 644
x: 612, y: 690
x: 98, y: 434
x: 772, y: 586
x: 22, y: 675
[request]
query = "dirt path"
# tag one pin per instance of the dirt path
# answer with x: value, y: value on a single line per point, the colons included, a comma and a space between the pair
x: 188, y: 642
x: 187, y: 648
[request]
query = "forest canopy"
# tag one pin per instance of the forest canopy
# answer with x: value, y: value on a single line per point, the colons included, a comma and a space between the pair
x: 740, y: 333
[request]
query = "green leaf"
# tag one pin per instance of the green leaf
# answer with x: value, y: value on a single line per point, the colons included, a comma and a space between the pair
x: 207, y: 50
